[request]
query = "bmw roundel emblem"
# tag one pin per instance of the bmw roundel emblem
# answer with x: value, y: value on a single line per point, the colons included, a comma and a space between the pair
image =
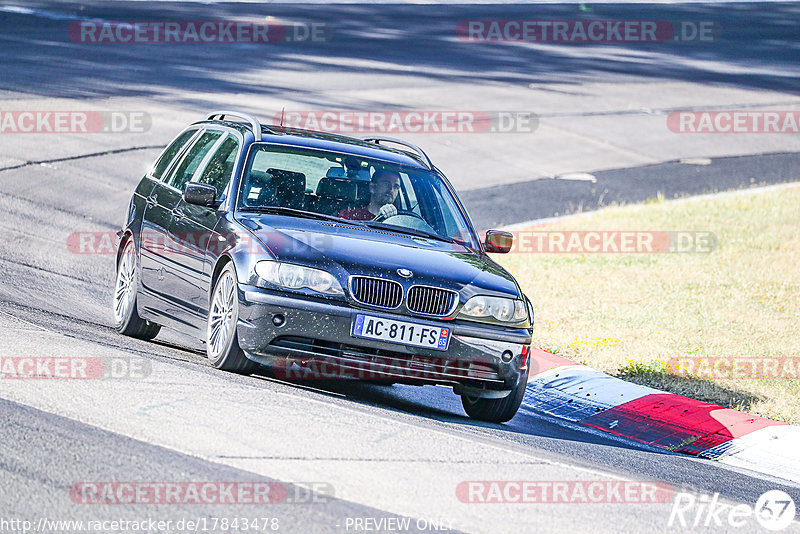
x: 405, y: 273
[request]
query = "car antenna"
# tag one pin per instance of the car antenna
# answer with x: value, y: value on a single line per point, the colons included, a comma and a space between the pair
x: 283, y: 111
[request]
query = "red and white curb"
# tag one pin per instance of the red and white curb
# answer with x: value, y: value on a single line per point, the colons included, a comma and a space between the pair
x: 579, y: 394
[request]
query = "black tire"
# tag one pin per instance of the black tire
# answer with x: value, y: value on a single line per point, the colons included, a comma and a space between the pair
x: 226, y: 354
x: 496, y: 410
x: 126, y: 317
x: 387, y: 383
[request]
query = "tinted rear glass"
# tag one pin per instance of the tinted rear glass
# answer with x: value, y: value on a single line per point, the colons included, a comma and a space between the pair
x: 170, y: 153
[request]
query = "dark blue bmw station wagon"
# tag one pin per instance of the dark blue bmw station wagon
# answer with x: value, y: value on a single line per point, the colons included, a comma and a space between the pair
x: 313, y: 255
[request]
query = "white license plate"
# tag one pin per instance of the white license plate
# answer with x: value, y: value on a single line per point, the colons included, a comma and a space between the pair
x: 402, y: 332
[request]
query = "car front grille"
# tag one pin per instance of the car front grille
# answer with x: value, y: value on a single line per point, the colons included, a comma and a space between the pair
x: 431, y: 300
x: 376, y: 291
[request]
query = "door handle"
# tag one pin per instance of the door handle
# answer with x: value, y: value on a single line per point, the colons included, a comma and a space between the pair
x: 178, y: 213
x: 151, y: 201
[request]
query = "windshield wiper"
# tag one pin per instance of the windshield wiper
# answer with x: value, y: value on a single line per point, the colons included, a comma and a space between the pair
x: 280, y: 210
x: 411, y: 231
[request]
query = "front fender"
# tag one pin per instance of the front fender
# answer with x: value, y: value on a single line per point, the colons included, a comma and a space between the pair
x: 236, y: 244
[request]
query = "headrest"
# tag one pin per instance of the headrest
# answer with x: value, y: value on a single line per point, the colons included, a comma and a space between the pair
x: 336, y: 172
x: 336, y: 189
x: 361, y: 175
x: 288, y: 181
x: 363, y: 193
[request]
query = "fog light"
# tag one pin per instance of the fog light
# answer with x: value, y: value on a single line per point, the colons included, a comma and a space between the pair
x: 507, y: 356
x: 278, y: 320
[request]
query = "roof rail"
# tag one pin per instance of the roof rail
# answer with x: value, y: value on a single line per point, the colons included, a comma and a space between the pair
x: 415, y: 148
x: 249, y: 118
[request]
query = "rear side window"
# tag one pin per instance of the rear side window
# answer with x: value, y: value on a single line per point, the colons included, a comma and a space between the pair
x: 170, y: 153
x: 193, y: 158
x: 220, y: 168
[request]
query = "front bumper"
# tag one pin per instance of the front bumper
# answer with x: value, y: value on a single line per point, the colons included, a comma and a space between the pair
x: 314, y: 341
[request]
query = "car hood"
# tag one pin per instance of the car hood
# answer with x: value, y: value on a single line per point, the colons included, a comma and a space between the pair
x: 344, y: 249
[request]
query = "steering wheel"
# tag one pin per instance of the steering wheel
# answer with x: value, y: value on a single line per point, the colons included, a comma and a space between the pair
x: 381, y: 218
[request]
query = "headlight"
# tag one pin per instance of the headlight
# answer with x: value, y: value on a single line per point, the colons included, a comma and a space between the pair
x: 501, y: 309
x: 298, y: 277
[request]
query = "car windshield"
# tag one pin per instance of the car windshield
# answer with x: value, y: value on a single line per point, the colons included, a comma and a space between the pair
x: 303, y: 182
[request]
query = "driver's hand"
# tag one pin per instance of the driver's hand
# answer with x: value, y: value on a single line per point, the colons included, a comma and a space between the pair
x: 387, y: 210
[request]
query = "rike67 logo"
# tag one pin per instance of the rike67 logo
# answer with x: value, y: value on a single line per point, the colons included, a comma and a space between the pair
x: 774, y: 510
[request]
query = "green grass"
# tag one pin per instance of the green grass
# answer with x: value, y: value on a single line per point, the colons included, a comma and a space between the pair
x: 629, y: 314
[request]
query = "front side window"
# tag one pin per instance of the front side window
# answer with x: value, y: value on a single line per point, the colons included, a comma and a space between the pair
x: 219, y: 170
x: 356, y: 189
x: 192, y: 159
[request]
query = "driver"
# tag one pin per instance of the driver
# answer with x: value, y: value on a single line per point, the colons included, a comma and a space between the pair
x: 383, y: 189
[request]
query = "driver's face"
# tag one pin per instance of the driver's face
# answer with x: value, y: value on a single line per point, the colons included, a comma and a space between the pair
x: 385, y: 189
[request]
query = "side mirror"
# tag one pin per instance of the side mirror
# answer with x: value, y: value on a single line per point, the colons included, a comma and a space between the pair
x: 498, y: 241
x: 200, y: 194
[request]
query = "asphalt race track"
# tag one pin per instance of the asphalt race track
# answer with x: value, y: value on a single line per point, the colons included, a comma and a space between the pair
x: 349, y: 454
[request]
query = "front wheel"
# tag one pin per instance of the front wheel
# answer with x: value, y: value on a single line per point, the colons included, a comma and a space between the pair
x: 126, y: 318
x: 222, y: 343
x: 496, y: 410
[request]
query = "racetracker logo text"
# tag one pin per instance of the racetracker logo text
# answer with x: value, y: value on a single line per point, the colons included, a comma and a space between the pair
x: 74, y: 368
x: 382, y: 368
x: 612, y: 242
x: 735, y: 122
x: 181, y: 243
x: 409, y: 121
x: 200, y: 492
x: 564, y: 491
x: 725, y: 368
x: 197, y: 32
x: 586, y: 31
x: 74, y: 122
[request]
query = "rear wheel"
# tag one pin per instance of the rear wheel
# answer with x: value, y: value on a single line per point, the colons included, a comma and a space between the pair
x: 126, y: 317
x: 222, y: 343
x: 496, y: 410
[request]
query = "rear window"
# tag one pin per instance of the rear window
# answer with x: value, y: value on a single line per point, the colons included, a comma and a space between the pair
x: 169, y: 154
